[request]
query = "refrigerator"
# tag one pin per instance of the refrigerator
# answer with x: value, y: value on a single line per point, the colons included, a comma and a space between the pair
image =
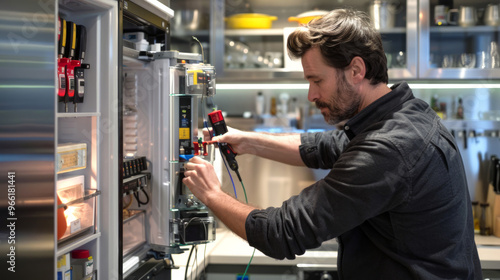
x: 98, y: 118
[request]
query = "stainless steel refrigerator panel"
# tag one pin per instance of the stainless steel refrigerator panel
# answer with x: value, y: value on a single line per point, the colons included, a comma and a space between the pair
x: 27, y: 130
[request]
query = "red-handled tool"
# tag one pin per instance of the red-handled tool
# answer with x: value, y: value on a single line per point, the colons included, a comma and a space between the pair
x: 219, y: 127
x: 62, y: 62
x: 70, y: 67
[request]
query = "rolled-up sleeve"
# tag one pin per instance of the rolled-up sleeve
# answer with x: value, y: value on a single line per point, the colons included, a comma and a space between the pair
x: 322, y: 149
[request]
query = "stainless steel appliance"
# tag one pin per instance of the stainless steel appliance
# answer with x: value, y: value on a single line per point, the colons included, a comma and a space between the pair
x: 163, y: 93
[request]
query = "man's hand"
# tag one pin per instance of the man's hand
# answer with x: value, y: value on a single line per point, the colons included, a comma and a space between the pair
x: 200, y: 178
x: 233, y: 136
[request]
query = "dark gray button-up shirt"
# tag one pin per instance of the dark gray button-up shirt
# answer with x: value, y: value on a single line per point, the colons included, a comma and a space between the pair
x: 396, y: 198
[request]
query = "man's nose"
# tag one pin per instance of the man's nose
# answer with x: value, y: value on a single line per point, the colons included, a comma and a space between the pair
x: 312, y: 95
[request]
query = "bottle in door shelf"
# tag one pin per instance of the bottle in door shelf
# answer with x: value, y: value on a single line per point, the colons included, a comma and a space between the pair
x: 82, y: 264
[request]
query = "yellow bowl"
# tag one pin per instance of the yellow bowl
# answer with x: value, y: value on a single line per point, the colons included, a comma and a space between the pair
x: 250, y: 21
x: 302, y: 20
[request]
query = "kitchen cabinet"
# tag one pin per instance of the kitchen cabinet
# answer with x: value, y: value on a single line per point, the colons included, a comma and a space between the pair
x: 460, y: 49
x: 417, y: 48
x: 260, y: 55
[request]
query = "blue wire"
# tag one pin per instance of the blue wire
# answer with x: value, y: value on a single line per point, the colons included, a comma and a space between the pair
x: 223, y: 159
x: 228, y: 172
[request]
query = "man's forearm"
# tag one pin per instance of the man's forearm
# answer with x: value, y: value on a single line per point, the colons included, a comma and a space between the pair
x: 230, y: 211
x: 278, y: 147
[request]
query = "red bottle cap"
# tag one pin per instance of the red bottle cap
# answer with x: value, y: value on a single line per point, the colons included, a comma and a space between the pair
x: 80, y: 254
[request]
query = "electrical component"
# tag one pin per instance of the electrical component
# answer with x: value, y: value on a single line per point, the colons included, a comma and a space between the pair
x: 135, y: 183
x: 134, y: 166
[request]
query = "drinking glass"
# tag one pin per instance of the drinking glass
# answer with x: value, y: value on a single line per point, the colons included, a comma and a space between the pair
x: 468, y: 60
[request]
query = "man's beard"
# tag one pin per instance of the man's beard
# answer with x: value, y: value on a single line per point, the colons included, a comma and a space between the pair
x: 343, y: 105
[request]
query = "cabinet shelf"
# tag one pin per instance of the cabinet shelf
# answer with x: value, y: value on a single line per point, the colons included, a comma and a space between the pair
x: 78, y: 115
x: 477, y: 125
x: 279, y: 32
x: 185, y: 35
x: 61, y: 250
x: 284, y: 74
x: 459, y: 29
x: 254, y: 32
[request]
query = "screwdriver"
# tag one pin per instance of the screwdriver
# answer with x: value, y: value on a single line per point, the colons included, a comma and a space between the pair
x: 81, y: 46
x: 70, y: 53
x: 61, y: 61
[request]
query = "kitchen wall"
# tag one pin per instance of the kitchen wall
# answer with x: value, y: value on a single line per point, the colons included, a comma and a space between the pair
x: 270, y: 183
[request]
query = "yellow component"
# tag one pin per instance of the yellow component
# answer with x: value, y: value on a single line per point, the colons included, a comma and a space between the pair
x: 184, y: 133
x: 193, y: 76
x: 73, y: 41
x: 63, y: 42
x: 250, y: 21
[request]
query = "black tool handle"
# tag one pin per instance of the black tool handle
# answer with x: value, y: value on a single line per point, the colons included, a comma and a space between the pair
x: 81, y: 46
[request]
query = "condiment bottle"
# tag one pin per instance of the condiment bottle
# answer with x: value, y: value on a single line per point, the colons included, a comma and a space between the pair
x: 273, y: 109
x: 460, y: 110
x: 82, y: 264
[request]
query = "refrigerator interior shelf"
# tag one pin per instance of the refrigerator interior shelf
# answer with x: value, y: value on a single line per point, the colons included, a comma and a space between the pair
x: 78, y: 115
x: 88, y: 195
x: 66, y: 247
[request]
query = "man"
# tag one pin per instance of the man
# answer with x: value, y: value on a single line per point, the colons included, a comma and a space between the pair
x: 396, y: 197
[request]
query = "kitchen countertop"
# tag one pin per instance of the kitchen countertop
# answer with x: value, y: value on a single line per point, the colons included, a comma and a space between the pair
x: 231, y: 249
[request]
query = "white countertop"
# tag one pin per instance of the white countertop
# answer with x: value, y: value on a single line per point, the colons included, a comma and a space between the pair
x: 231, y: 249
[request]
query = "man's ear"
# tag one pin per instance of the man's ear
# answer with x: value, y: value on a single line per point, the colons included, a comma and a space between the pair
x: 356, y: 70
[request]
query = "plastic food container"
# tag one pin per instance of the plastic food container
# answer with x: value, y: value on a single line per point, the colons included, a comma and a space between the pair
x: 305, y: 18
x: 250, y: 21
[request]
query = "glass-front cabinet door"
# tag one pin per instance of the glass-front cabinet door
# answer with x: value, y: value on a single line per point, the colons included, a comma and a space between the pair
x: 247, y: 37
x: 255, y: 33
x: 459, y: 39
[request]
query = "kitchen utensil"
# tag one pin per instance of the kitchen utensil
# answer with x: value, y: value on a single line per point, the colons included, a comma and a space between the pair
x: 250, y: 21
x: 190, y: 20
x: 382, y: 14
x: 400, y: 60
x: 440, y: 14
x: 467, y: 16
x: 448, y: 61
x: 494, y: 55
x: 467, y: 60
x: 492, y: 15
x: 483, y: 60
x: 306, y: 17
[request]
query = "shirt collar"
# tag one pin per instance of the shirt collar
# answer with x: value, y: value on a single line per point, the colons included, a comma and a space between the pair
x: 377, y: 110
